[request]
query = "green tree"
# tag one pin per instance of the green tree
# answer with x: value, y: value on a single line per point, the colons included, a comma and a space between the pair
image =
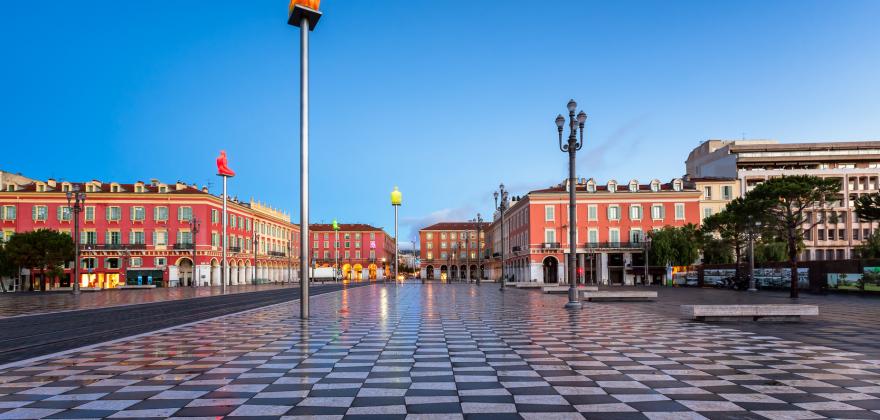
x: 717, y: 251
x: 786, y: 199
x: 770, y: 251
x: 734, y: 223
x: 7, y: 267
x: 870, y: 247
x: 868, y: 207
x: 679, y: 246
x: 45, y: 250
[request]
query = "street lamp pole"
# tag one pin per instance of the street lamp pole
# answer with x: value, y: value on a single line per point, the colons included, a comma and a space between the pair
x: 194, y: 226
x: 501, y: 193
x: 479, y: 249
x: 576, y: 126
x: 336, y: 251
x: 754, y: 226
x: 304, y: 14
x: 75, y: 202
x: 256, y: 250
x: 396, y: 201
x: 647, y: 250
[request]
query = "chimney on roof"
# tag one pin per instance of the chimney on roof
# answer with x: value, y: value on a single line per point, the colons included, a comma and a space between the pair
x: 204, y: 189
x: 179, y: 186
x: 154, y: 182
x: 51, y: 182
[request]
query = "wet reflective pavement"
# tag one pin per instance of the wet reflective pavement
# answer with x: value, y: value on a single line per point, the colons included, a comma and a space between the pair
x: 31, y: 303
x: 447, y: 351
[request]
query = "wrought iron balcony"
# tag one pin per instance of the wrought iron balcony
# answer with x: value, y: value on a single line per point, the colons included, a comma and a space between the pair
x: 234, y: 249
x: 112, y: 247
x: 276, y: 254
x: 614, y: 245
x: 551, y: 245
x: 183, y: 246
x: 516, y: 248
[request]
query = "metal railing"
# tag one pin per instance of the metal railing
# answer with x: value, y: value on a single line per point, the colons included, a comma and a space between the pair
x: 276, y: 254
x: 551, y: 245
x: 112, y: 247
x: 234, y: 249
x: 614, y: 245
x: 183, y: 246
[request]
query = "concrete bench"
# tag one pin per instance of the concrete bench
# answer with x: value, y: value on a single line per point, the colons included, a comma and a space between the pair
x: 772, y: 312
x: 137, y: 286
x: 620, y: 295
x: 564, y: 289
x: 528, y: 285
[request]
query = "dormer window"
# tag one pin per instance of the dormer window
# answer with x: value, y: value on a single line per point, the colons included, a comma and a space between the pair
x: 41, y: 187
x: 10, y: 187
x: 163, y: 188
x: 655, y: 186
x: 591, y: 185
x: 115, y: 188
x: 138, y: 188
x: 634, y: 186
x: 677, y: 185
x: 612, y: 186
x: 65, y: 187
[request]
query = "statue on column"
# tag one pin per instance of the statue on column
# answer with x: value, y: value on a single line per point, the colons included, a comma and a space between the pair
x: 223, y: 165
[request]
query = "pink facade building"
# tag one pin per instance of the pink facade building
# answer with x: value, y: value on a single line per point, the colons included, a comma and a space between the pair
x: 613, y: 220
x: 358, y: 251
x: 141, y: 234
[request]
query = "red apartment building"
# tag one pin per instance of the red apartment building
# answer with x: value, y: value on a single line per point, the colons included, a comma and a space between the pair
x: 612, y: 221
x: 449, y: 251
x: 140, y: 234
x: 362, y: 252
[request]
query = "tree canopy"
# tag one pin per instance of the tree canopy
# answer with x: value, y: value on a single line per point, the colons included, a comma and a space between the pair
x: 868, y: 207
x: 785, y: 200
x: 679, y: 246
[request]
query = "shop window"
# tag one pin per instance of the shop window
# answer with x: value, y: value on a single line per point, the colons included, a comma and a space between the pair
x: 136, y: 262
x: 160, y: 261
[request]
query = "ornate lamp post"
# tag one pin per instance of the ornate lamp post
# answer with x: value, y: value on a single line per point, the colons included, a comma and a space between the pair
x: 76, y: 201
x: 194, y: 226
x: 501, y: 193
x: 576, y: 126
x: 647, y: 251
x: 256, y: 250
x: 479, y: 221
x: 396, y: 201
x: 336, y: 251
x: 754, y: 229
x: 304, y: 14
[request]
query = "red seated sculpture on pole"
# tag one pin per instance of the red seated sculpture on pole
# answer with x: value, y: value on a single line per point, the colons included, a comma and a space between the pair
x: 223, y: 165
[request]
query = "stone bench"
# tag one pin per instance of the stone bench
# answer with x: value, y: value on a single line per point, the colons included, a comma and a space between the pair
x: 528, y: 285
x: 564, y: 289
x: 137, y: 286
x: 620, y: 295
x: 771, y: 312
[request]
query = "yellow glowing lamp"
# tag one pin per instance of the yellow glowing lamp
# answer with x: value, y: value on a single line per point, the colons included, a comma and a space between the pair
x: 335, y: 225
x: 396, y: 197
x: 303, y: 9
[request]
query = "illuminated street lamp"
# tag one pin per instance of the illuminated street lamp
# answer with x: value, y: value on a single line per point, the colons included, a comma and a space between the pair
x: 76, y: 201
x: 576, y: 126
x: 396, y: 201
x: 194, y: 226
x: 304, y: 14
x: 501, y: 193
x: 336, y: 251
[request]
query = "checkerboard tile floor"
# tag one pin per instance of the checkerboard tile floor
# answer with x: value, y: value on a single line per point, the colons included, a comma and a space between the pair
x: 447, y: 351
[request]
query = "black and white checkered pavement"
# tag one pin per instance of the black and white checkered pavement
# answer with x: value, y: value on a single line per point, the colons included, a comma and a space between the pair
x: 446, y: 351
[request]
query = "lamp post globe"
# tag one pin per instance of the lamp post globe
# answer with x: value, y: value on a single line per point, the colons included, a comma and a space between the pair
x: 574, y: 142
x: 396, y: 201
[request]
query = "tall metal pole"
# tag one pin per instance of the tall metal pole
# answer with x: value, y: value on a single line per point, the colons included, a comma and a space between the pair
x: 572, y: 146
x: 479, y: 250
x: 76, y: 212
x: 396, y: 258
x: 256, y: 247
x: 223, y: 263
x: 752, y: 262
x: 304, y: 166
x: 336, y: 256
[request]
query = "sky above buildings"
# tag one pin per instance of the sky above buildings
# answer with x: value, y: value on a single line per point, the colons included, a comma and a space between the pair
x: 443, y: 99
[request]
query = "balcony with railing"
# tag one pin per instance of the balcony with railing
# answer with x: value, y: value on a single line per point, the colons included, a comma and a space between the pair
x: 276, y: 254
x: 183, y: 246
x: 551, y: 245
x: 614, y: 245
x: 113, y: 247
x: 234, y: 249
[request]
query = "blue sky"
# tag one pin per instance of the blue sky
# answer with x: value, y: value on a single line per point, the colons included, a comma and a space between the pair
x: 441, y: 99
